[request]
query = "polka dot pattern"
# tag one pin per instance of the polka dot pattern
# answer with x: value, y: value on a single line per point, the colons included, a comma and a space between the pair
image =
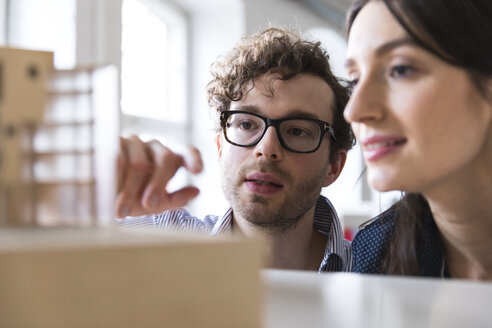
x: 372, y: 242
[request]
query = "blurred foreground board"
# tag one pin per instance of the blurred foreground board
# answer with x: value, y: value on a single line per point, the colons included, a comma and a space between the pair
x: 61, y: 277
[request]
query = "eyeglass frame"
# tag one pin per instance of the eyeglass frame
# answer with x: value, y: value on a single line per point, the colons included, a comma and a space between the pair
x: 325, y: 127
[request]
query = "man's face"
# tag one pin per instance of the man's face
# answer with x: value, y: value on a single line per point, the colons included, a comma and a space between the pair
x: 266, y: 184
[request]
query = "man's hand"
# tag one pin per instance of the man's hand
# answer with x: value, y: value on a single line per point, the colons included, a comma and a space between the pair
x: 144, y: 170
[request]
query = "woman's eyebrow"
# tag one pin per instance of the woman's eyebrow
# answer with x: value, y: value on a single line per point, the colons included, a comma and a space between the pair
x: 390, y: 45
x: 386, y: 47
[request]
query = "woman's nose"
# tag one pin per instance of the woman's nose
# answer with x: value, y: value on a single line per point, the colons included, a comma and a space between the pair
x: 366, y: 103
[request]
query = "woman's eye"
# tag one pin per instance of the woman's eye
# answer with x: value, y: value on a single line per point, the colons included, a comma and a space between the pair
x: 399, y: 71
x: 352, y: 83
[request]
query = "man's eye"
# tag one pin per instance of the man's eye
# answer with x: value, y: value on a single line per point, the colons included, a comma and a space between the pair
x: 297, y: 132
x: 245, y: 125
x: 400, y: 71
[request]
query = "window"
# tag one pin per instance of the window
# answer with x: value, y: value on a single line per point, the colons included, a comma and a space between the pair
x: 44, y: 25
x: 153, y: 77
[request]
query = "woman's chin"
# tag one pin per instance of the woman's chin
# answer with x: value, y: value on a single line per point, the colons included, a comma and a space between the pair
x: 382, y: 182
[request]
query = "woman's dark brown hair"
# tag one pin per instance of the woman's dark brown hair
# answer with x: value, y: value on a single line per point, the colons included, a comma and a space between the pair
x: 460, y: 33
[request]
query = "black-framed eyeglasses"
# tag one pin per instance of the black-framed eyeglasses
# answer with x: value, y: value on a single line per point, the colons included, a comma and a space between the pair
x: 298, y: 135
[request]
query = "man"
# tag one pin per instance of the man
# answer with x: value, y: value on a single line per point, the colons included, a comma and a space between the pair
x: 281, y: 137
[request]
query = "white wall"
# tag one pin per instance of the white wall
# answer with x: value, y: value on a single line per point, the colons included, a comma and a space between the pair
x: 260, y: 13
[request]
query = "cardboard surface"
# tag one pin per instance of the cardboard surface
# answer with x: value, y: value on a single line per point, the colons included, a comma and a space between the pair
x: 105, y: 278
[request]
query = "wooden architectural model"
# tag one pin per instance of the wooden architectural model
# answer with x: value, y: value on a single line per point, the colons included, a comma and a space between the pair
x: 58, y: 138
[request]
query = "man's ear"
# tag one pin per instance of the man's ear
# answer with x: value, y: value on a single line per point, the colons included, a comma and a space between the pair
x: 336, y: 167
x: 219, y: 144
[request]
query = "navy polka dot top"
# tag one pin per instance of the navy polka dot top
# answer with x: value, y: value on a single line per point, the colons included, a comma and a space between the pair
x: 372, y: 242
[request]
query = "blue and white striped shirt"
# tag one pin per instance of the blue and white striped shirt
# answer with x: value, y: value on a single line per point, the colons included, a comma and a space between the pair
x: 338, y: 254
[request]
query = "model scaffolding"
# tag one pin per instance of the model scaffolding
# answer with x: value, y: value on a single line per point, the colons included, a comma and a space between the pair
x: 58, y: 139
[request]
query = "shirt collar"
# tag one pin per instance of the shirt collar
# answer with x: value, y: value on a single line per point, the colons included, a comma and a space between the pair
x: 223, y: 224
x: 326, y: 221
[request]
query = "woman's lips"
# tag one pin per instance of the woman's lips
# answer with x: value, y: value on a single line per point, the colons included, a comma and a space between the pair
x: 375, y: 148
x: 263, y: 183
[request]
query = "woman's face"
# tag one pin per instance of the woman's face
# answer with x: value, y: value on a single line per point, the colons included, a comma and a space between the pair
x: 419, y: 120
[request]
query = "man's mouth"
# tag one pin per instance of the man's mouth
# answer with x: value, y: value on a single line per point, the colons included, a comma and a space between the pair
x: 263, y: 183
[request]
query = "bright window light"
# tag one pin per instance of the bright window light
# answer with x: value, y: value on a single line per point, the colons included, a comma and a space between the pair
x: 44, y: 25
x: 153, y: 62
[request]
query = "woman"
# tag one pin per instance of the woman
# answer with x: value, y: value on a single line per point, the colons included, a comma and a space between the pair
x: 421, y: 109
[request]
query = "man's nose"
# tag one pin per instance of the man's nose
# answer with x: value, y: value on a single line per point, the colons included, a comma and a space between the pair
x: 269, y: 146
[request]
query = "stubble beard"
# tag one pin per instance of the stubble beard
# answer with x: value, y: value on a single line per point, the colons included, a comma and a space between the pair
x: 258, y: 210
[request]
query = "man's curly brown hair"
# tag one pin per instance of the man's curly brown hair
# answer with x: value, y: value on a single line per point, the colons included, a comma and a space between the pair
x: 284, y: 53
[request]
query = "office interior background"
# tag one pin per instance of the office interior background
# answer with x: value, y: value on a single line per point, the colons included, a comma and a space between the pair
x: 163, y: 50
